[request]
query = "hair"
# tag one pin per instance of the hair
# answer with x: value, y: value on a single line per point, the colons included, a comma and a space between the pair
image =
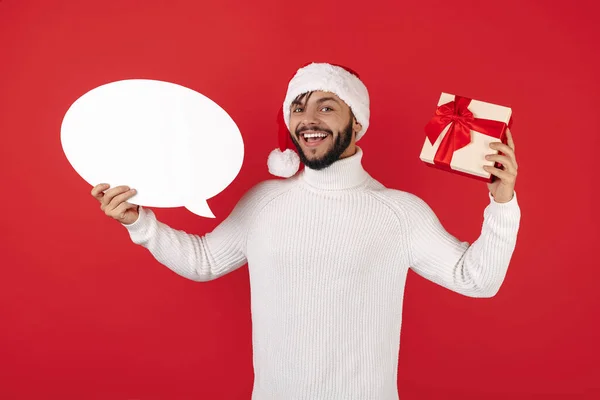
x: 300, y: 97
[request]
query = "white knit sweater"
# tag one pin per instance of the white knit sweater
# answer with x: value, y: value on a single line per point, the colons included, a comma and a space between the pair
x: 328, y: 253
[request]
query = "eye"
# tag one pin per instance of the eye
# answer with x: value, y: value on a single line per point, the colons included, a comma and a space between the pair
x: 297, y: 109
x: 327, y: 108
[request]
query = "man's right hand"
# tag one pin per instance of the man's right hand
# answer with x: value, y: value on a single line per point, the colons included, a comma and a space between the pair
x: 114, y: 202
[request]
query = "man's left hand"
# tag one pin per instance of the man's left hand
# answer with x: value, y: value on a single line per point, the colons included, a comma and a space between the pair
x: 502, y: 189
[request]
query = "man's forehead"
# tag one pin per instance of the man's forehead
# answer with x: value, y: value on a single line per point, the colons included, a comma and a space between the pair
x: 317, y: 96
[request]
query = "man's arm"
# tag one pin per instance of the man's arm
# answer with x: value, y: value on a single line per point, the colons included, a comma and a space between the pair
x: 199, y: 258
x: 475, y: 270
x: 196, y: 257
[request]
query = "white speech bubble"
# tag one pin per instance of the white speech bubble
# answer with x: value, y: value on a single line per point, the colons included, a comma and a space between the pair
x: 175, y: 146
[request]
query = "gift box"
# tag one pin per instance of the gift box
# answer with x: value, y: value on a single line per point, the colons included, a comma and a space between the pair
x: 458, y: 137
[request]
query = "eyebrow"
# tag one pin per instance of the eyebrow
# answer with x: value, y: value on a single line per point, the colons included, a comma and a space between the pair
x: 321, y: 100
x: 324, y: 99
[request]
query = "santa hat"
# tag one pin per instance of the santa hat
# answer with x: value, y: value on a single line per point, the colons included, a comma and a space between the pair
x: 343, y: 82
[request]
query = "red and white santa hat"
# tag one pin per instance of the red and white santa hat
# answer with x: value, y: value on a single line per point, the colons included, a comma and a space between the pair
x: 343, y: 82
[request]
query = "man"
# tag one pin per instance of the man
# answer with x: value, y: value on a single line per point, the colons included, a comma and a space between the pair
x: 328, y: 249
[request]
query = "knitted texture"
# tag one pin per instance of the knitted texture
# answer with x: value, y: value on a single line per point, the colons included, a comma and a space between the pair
x: 328, y: 254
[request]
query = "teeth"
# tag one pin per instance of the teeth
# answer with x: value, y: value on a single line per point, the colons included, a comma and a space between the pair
x: 314, y: 135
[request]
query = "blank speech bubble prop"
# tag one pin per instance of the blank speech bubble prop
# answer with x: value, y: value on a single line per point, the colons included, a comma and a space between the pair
x: 175, y: 146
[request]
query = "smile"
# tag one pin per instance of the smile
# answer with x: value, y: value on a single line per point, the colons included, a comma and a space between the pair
x: 313, y: 138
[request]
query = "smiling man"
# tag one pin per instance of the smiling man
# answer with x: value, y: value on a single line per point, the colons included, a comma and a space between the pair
x: 328, y: 249
x: 324, y: 126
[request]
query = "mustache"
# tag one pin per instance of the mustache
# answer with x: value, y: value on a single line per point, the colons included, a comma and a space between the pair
x: 313, y: 128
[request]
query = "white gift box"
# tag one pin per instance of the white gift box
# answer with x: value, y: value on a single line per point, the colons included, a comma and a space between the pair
x: 471, y: 158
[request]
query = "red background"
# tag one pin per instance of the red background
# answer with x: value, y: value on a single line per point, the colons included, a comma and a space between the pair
x: 86, y: 314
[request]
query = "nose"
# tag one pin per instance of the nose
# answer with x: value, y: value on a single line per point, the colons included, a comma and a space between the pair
x: 309, y: 118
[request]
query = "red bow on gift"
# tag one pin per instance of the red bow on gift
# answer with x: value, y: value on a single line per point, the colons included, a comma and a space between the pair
x: 462, y: 122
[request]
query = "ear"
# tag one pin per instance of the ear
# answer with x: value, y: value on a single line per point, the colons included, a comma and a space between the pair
x: 356, y: 126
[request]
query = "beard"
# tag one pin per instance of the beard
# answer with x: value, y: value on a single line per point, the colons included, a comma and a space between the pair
x: 340, y: 144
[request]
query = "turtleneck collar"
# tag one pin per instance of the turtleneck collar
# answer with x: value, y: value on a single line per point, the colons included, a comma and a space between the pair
x: 345, y: 173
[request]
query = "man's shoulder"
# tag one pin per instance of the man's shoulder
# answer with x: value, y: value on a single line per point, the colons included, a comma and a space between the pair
x: 396, y: 198
x: 407, y: 206
x: 264, y: 191
x: 271, y: 186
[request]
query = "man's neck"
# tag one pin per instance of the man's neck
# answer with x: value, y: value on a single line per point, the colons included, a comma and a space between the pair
x: 349, y: 152
x: 345, y: 173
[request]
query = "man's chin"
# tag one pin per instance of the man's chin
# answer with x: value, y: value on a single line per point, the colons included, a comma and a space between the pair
x: 317, y: 157
x: 314, y: 156
x: 317, y: 162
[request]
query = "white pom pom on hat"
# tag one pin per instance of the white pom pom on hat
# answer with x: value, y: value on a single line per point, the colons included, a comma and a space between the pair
x: 343, y: 82
x: 283, y: 161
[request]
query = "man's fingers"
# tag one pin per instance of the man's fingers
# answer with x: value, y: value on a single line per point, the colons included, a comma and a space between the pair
x: 97, y: 190
x: 119, y: 211
x: 509, y: 139
x: 505, y: 176
x: 110, y: 194
x: 506, y: 150
x: 501, y: 147
x: 509, y: 164
x: 123, y: 197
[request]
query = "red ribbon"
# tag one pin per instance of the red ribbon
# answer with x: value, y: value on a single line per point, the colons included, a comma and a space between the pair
x: 462, y: 122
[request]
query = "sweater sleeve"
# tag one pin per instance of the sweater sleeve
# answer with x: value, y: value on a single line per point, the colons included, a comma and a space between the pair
x: 474, y: 270
x: 197, y: 257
